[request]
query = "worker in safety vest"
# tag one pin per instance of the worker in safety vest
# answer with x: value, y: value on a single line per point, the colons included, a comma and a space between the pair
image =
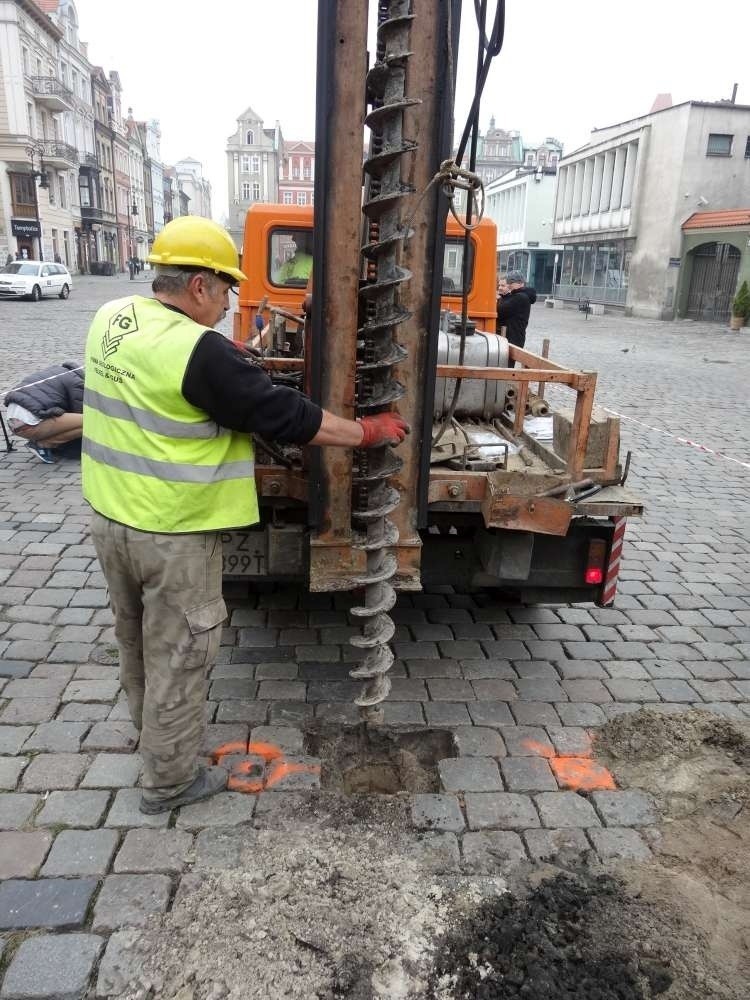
x: 299, y: 267
x: 169, y: 409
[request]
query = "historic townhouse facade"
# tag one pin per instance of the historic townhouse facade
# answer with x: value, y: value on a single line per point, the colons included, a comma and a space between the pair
x: 254, y: 155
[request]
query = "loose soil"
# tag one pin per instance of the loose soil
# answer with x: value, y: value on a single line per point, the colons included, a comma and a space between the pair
x: 362, y: 759
x: 341, y: 899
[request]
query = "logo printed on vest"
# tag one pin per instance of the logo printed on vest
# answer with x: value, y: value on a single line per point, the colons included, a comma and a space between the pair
x: 120, y: 325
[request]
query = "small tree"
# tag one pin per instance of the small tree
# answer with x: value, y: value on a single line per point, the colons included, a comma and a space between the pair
x: 741, y: 304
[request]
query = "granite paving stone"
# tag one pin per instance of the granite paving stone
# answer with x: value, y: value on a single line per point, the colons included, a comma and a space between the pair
x: 475, y: 670
x: 716, y: 691
x: 629, y: 807
x: 563, y: 809
x: 493, y: 689
x: 570, y: 741
x: 527, y: 741
x: 12, y: 738
x: 478, y: 741
x: 535, y: 713
x: 546, y: 845
x: 435, y: 853
x: 111, y: 736
x: 51, y: 902
x: 220, y: 847
x: 527, y: 774
x: 436, y: 812
x: 581, y: 713
x: 29, y: 711
x: 450, y: 690
x: 16, y: 809
x: 81, y: 852
x: 91, y: 690
x: 403, y: 713
x: 619, y: 844
x: 30, y: 687
x: 124, y: 811
x: 470, y: 774
x: 57, y: 737
x: 120, y: 964
x: 22, y: 853
x: 502, y: 810
x: 84, y: 809
x: 49, y: 771
x: 447, y: 713
x: 129, y: 900
x: 490, y: 851
x: 51, y: 966
x: 224, y: 809
x: 10, y: 772
x: 153, y: 851
x: 113, y: 770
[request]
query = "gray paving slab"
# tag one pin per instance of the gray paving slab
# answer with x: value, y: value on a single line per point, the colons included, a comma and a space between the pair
x: 22, y: 853
x: 470, y: 774
x: 120, y: 964
x: 16, y: 809
x: 129, y: 900
x: 564, y: 809
x: 488, y: 852
x: 549, y: 845
x: 437, y: 812
x: 80, y: 852
x: 48, y: 771
x: 144, y: 851
x: 51, y: 902
x: 84, y: 809
x: 500, y: 810
x: 51, y: 966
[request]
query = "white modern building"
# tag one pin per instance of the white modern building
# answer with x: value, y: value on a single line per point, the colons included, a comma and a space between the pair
x: 521, y: 203
x: 254, y: 156
x: 623, y: 197
x: 191, y: 181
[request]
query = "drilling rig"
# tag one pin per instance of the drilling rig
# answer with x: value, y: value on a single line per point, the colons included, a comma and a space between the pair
x: 470, y: 497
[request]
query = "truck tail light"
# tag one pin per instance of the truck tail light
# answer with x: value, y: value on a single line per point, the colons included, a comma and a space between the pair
x: 594, y: 572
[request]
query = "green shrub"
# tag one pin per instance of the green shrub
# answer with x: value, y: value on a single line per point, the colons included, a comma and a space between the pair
x: 741, y: 304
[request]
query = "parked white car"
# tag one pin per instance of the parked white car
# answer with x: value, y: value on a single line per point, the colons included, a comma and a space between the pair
x: 34, y: 278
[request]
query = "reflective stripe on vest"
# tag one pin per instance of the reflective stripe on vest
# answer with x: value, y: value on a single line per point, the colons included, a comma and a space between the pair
x: 172, y: 471
x: 150, y: 459
x: 150, y: 421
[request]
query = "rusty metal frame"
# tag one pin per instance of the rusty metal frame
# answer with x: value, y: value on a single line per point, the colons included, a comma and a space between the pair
x: 339, y: 124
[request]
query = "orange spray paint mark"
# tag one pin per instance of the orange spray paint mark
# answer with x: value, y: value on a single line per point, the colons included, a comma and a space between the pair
x: 537, y: 748
x: 268, y: 751
x: 226, y: 749
x: 582, y: 774
x: 252, y: 777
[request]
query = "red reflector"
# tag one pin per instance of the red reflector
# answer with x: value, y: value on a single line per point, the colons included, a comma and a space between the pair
x: 594, y: 572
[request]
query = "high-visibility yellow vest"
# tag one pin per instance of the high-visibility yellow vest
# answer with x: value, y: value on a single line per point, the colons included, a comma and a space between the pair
x: 150, y: 459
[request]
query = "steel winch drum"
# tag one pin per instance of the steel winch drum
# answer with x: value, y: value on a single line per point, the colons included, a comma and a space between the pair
x: 478, y: 398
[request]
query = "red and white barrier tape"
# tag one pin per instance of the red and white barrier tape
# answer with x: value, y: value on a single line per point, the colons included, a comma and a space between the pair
x: 676, y: 437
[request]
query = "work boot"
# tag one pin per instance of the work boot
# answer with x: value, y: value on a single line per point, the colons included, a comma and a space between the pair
x: 208, y: 782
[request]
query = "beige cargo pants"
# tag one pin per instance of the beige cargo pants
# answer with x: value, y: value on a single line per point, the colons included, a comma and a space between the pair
x: 165, y: 593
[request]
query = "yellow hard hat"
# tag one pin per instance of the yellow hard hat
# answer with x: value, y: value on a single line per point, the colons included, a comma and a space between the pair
x: 192, y: 241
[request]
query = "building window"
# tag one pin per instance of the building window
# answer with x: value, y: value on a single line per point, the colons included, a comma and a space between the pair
x: 301, y: 198
x: 255, y: 164
x: 25, y: 57
x: 747, y: 148
x: 30, y: 115
x: 63, y: 193
x: 719, y: 144
x: 287, y: 197
x: 250, y: 137
x: 55, y: 245
x: 307, y: 173
x: 51, y: 192
x: 256, y: 191
x: 245, y: 164
x: 246, y: 190
x: 66, y: 245
x: 22, y: 195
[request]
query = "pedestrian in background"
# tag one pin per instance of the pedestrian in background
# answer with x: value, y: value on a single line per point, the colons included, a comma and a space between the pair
x: 515, y: 299
x: 169, y: 410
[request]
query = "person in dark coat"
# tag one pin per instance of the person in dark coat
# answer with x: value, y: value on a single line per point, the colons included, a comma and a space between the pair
x: 514, y: 307
x: 46, y: 408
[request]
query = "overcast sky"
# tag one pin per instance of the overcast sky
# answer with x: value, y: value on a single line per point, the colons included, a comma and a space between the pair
x: 564, y: 68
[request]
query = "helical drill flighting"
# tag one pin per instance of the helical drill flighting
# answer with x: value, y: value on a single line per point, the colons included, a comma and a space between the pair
x: 378, y: 350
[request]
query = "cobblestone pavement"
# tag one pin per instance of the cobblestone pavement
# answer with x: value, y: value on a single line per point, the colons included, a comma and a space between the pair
x: 79, y: 862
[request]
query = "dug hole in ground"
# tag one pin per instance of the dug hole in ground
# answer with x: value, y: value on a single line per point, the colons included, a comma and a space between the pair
x: 343, y: 899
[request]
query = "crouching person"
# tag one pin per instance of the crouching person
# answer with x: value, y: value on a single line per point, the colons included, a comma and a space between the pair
x: 46, y: 409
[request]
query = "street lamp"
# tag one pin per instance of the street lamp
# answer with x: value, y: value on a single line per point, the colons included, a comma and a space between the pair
x: 35, y: 151
x: 132, y: 213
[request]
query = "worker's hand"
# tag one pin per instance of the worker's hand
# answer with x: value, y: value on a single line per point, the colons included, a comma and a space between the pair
x: 383, y: 428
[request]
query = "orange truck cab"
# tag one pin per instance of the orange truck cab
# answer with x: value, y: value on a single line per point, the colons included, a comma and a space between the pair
x: 277, y: 258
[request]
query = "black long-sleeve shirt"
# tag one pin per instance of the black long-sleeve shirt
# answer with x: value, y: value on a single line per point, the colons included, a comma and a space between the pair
x: 240, y: 396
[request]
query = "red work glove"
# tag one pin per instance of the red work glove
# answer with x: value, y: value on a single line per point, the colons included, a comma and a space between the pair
x: 383, y: 428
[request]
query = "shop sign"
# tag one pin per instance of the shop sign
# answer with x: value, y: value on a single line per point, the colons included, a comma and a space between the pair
x: 25, y: 227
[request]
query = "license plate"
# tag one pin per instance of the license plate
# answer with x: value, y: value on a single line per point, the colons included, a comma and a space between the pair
x: 244, y: 553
